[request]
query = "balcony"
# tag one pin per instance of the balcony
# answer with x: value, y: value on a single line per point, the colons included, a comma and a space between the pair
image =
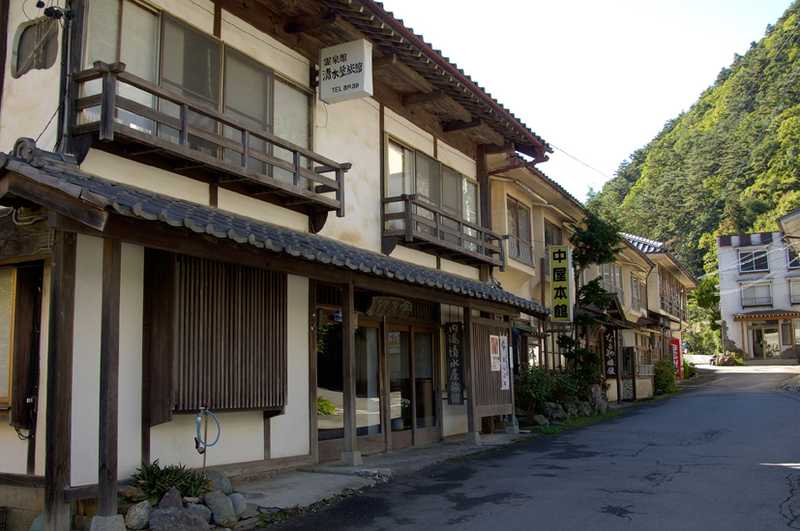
x: 132, y: 117
x: 674, y: 306
x: 420, y: 225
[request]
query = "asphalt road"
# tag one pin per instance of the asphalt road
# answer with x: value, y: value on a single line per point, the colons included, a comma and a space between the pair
x: 724, y: 455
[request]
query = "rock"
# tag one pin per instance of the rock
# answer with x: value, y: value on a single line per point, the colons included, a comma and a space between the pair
x: 248, y: 523
x: 554, y: 411
x: 571, y: 409
x: 191, y: 499
x: 540, y: 420
x: 250, y: 511
x: 171, y: 500
x: 219, y: 481
x: 221, y: 508
x: 584, y: 409
x: 239, y: 504
x: 200, y: 510
x: 176, y: 520
x: 108, y: 523
x: 138, y: 515
x: 132, y: 493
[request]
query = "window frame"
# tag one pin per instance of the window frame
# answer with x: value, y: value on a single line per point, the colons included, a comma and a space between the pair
x: 792, y: 299
x: 752, y: 253
x: 21, y: 29
x: 743, y: 286
x: 512, y: 203
x: 560, y: 230
x: 792, y: 263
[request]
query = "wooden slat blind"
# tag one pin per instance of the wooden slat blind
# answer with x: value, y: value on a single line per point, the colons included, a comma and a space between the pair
x: 487, y: 382
x: 231, y: 337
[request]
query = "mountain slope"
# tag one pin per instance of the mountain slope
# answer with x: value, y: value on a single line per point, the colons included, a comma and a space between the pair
x: 729, y: 164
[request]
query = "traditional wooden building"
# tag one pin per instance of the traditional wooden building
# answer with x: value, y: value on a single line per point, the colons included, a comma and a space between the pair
x: 194, y: 227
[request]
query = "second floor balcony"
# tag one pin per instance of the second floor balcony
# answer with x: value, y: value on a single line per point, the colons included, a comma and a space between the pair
x: 416, y: 223
x: 132, y: 117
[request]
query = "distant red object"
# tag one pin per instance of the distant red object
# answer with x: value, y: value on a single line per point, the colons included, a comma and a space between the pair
x: 677, y: 357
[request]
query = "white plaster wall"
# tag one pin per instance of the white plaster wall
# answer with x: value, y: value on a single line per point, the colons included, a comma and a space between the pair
x: 86, y: 360
x: 289, y: 432
x: 460, y: 269
x: 406, y: 132
x: 414, y: 256
x: 129, y: 172
x: 264, y: 48
x: 260, y: 210
x: 29, y: 101
x: 242, y: 440
x: 457, y: 160
x: 350, y: 132
x: 14, y: 454
x: 129, y: 431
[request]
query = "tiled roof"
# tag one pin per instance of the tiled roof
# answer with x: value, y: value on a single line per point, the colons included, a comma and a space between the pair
x: 645, y: 245
x: 766, y: 314
x: 57, y: 172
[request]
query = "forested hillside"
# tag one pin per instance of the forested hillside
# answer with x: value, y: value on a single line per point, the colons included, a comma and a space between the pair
x: 731, y: 163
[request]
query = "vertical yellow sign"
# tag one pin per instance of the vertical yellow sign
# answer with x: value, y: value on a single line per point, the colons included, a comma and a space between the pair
x: 562, y: 289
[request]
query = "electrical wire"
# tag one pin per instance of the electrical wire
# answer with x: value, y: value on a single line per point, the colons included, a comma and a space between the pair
x: 47, y: 125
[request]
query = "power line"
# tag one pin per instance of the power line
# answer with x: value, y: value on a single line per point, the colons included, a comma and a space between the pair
x: 579, y: 161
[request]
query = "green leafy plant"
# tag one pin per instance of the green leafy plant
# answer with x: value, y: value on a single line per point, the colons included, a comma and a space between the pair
x: 664, y: 378
x: 689, y: 370
x: 325, y: 407
x: 730, y: 359
x: 154, y: 480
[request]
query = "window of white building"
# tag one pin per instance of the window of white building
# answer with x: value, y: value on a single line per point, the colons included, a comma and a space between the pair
x: 752, y: 261
x: 757, y: 294
x: 794, y: 291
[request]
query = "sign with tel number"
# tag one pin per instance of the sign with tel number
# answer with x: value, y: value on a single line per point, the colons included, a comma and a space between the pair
x: 345, y: 71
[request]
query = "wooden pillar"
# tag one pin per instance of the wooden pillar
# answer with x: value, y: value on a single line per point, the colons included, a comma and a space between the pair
x: 484, y: 200
x: 473, y: 421
x: 350, y: 455
x: 59, y: 382
x: 109, y: 378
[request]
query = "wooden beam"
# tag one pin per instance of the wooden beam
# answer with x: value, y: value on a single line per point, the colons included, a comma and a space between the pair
x: 473, y: 420
x: 350, y: 455
x: 310, y: 23
x: 457, y: 125
x: 381, y: 63
x: 59, y: 382
x: 421, y: 98
x: 109, y: 378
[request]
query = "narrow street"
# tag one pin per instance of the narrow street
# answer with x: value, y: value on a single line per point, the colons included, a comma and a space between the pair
x: 722, y: 455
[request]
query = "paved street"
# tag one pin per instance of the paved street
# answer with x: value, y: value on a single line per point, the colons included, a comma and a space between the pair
x: 724, y: 455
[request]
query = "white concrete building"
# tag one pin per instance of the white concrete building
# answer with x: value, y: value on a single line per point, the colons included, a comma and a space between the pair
x: 759, y: 284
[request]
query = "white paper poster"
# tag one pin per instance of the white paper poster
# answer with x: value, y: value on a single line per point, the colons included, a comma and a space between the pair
x: 505, y: 376
x: 494, y: 352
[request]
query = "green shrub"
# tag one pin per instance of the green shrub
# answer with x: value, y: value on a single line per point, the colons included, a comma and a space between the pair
x: 730, y: 359
x: 154, y: 480
x: 325, y: 407
x: 534, y: 388
x: 689, y: 370
x: 664, y: 378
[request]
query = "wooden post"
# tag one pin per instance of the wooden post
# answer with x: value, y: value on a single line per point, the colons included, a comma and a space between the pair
x: 108, y: 106
x: 350, y: 455
x: 473, y: 421
x: 59, y: 382
x: 484, y: 202
x: 109, y: 378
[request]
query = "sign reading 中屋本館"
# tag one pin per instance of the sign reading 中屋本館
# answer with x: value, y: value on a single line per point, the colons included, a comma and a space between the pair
x: 345, y: 71
x: 562, y: 283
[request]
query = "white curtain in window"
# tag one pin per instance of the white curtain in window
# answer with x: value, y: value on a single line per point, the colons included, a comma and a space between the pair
x: 246, y: 93
x: 139, y: 51
x: 470, y: 206
x: 291, y: 123
x: 399, y: 180
x: 102, y: 29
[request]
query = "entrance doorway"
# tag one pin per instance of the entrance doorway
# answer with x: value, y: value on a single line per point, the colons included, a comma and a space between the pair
x: 766, y: 341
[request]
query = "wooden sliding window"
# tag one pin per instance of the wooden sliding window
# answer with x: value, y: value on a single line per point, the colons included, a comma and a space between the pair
x: 224, y: 340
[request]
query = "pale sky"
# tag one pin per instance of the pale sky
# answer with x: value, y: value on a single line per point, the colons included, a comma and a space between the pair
x: 598, y: 79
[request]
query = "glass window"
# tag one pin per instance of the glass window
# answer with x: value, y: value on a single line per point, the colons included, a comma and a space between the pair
x: 786, y: 334
x: 368, y: 378
x: 399, y: 181
x: 519, y: 228
x: 794, y: 291
x: 796, y: 323
x: 452, y: 203
x: 750, y: 261
x: 139, y: 51
x: 398, y: 354
x: 330, y: 376
x: 291, y: 123
x: 552, y: 234
x: 7, y: 300
x: 470, y: 210
x: 424, y: 379
x: 756, y: 295
x: 794, y: 257
x: 35, y: 46
x: 428, y: 179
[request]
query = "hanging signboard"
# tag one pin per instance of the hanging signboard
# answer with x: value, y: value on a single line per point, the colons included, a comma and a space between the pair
x: 454, y: 348
x: 345, y: 71
x: 562, y: 283
x: 505, y: 376
x: 494, y: 352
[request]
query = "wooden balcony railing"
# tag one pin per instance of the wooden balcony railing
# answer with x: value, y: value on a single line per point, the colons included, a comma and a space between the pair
x: 419, y: 224
x: 164, y: 121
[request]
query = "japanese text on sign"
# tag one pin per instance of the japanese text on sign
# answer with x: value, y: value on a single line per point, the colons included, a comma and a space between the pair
x: 562, y: 287
x: 345, y: 71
